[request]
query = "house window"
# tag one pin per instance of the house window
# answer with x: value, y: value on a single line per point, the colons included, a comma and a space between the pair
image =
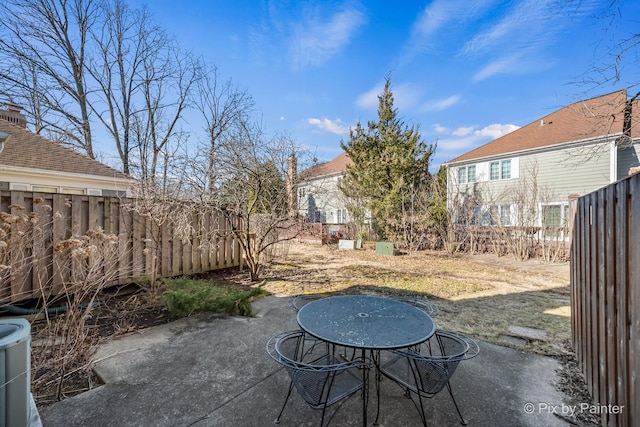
x: 19, y: 187
x: 301, y: 192
x: 467, y: 174
x: 114, y: 193
x: 505, y: 214
x: 501, y: 215
x: 505, y: 171
x: 554, y: 215
x: 462, y: 175
x: 495, y: 171
x: 71, y: 190
x: 43, y: 189
x: 471, y: 173
x: 500, y: 170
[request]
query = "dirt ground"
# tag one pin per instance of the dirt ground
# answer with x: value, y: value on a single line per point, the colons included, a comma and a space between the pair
x: 480, y: 295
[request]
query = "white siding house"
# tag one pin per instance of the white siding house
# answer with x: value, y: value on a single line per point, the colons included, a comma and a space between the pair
x: 319, y: 195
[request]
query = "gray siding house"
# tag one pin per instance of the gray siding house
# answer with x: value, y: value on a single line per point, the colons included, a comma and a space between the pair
x: 527, y: 177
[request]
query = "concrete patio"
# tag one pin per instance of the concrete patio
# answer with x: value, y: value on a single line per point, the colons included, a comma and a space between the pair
x: 214, y: 371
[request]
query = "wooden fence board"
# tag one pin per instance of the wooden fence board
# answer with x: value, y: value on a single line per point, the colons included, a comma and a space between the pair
x: 609, y: 261
x: 621, y: 282
x: 634, y: 298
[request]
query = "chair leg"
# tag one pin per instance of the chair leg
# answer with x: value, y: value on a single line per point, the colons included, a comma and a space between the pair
x: 277, y: 420
x: 462, y: 420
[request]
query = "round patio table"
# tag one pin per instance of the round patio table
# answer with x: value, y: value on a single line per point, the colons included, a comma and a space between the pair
x: 367, y: 323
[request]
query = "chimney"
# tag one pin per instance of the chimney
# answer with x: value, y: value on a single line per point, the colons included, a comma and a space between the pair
x: 292, y: 166
x: 12, y: 114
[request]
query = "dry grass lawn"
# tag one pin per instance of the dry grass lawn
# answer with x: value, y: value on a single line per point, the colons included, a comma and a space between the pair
x: 480, y: 296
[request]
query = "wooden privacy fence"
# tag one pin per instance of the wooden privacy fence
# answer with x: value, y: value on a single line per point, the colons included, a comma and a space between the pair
x: 605, y: 298
x: 35, y: 228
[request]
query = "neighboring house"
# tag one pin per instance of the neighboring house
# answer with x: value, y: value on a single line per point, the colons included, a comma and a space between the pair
x: 29, y: 162
x: 528, y: 176
x: 319, y: 195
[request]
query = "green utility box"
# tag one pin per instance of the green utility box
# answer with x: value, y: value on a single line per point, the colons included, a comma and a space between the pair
x: 384, y: 248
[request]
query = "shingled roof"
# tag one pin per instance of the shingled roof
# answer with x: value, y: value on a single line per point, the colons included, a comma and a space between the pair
x: 339, y: 164
x: 598, y: 117
x: 25, y: 149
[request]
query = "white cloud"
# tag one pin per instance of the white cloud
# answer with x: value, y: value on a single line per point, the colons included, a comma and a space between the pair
x: 369, y: 99
x: 327, y: 125
x: 457, y: 146
x: 466, y: 138
x: 501, y: 66
x: 525, y: 23
x: 405, y: 96
x: 441, y: 104
x: 316, y: 39
x: 439, y: 128
x: 496, y: 130
x: 438, y: 16
x: 463, y: 131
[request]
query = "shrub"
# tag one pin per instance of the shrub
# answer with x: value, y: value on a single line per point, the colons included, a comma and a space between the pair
x: 185, y: 296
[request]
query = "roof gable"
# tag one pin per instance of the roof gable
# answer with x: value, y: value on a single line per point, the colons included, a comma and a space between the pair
x: 25, y: 149
x: 593, y: 118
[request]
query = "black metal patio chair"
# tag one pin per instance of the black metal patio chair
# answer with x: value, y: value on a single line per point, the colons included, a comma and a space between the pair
x: 321, y: 378
x: 425, y: 372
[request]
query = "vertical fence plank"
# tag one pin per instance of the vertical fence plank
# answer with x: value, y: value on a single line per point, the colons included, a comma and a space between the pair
x: 176, y: 255
x: 584, y: 277
x: 610, y: 289
x: 634, y: 299
x: 19, y: 277
x: 621, y: 283
x: 95, y: 218
x: 137, y: 241
x: 591, y: 305
x: 59, y: 233
x: 600, y: 320
x: 42, y: 249
x: 205, y: 228
x: 196, y: 264
x: 166, y: 245
x: 125, y: 237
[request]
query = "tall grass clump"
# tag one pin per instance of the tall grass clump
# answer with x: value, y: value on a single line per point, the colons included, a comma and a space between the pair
x: 185, y: 296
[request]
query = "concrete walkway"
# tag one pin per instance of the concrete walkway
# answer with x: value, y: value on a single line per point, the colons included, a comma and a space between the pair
x: 214, y: 371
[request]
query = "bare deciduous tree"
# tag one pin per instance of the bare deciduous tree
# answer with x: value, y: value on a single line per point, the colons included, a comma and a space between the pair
x: 225, y: 109
x: 48, y: 41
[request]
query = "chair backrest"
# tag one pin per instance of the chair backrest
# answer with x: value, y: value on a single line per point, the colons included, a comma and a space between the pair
x: 420, y: 303
x: 298, y: 301
x: 433, y: 368
x: 310, y: 365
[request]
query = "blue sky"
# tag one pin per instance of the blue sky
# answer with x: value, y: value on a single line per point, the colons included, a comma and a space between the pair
x: 464, y: 71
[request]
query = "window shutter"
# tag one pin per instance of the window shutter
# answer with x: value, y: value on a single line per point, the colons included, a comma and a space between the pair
x: 515, y: 167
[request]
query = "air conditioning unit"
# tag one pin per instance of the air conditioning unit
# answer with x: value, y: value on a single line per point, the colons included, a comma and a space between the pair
x: 15, y: 373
